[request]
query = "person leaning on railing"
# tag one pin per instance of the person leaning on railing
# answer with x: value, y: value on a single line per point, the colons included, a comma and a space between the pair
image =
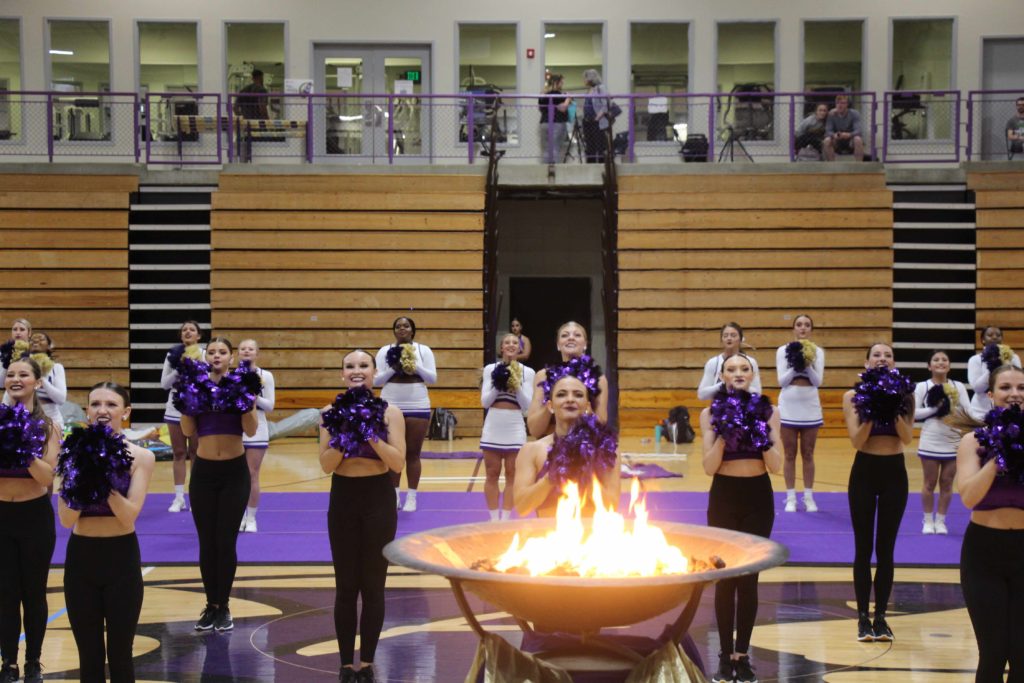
x: 553, y: 129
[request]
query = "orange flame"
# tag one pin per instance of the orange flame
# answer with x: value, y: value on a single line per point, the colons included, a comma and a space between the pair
x: 610, y: 550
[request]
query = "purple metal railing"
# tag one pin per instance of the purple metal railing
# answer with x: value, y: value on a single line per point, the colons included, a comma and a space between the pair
x: 988, y: 114
x: 933, y: 134
x: 183, y: 128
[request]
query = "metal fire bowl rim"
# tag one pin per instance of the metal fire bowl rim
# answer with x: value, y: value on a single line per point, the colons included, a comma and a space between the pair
x: 399, y: 552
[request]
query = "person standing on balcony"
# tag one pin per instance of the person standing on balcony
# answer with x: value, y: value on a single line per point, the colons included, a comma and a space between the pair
x: 554, y: 115
x: 251, y: 102
x: 595, y: 117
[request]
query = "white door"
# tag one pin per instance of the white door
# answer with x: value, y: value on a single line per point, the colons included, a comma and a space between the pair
x: 1001, y: 63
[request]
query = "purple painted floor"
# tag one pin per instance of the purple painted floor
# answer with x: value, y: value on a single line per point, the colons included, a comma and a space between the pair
x: 293, y: 528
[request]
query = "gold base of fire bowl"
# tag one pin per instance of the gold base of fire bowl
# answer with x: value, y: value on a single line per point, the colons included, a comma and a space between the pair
x: 578, y: 604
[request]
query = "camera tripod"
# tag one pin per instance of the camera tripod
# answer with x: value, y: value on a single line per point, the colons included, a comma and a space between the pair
x: 575, y: 138
x: 733, y: 140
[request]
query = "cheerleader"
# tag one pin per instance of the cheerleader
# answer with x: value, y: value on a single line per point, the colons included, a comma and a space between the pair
x: 992, y: 557
x: 21, y: 331
x: 571, y: 341
x: 27, y: 531
x: 256, y: 445
x: 218, y: 489
x: 362, y: 516
x: 535, y: 491
x: 740, y: 499
x: 525, y: 347
x: 505, y: 397
x: 54, y: 391
x: 878, y: 487
x: 732, y: 343
x: 404, y: 383
x: 800, y: 365
x: 103, y: 571
x: 933, y: 400
x: 182, y: 447
x: 978, y: 370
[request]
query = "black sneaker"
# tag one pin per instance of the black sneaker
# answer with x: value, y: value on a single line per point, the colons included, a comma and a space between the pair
x: 881, y: 629
x: 33, y: 671
x: 207, y: 618
x: 223, y: 621
x: 365, y: 675
x: 9, y: 672
x: 865, y: 633
x: 744, y: 672
x: 726, y: 672
x: 347, y: 675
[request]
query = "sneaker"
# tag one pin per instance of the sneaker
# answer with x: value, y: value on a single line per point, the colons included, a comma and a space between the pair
x: 177, y: 505
x: 241, y: 525
x: 928, y: 527
x: 410, y: 504
x: 207, y: 618
x: 365, y: 675
x: 9, y: 672
x: 881, y: 629
x: 33, y: 671
x: 249, y: 525
x: 223, y: 621
x: 865, y: 633
x: 347, y: 675
x: 744, y: 671
x: 398, y: 500
x: 726, y: 672
x: 790, y: 505
x: 940, y: 526
x: 809, y: 503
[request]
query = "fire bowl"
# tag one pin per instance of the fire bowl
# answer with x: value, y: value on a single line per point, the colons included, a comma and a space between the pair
x: 578, y: 604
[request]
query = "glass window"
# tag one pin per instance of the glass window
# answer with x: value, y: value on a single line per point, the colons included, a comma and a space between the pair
x: 571, y: 49
x: 487, y: 56
x: 922, y: 54
x: 168, y: 57
x: 833, y: 55
x: 746, y: 64
x: 10, y: 77
x: 659, y: 65
x: 256, y: 47
x: 79, y: 55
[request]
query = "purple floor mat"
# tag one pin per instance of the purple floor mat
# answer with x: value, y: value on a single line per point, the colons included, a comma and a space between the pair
x: 293, y: 528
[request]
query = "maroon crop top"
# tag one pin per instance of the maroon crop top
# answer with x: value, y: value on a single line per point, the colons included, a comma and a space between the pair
x: 1003, y: 493
x: 208, y: 424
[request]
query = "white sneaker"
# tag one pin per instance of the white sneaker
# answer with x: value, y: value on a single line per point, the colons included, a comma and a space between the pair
x: 809, y: 504
x: 250, y: 525
x: 410, y: 504
x: 245, y: 518
x: 929, y: 527
x: 790, y: 505
x: 398, y: 501
x: 940, y: 526
x: 177, y: 505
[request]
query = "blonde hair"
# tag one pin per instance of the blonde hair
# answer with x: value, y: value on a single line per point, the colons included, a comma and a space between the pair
x: 567, y: 324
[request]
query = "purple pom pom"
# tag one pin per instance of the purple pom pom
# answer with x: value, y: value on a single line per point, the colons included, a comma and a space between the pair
x: 356, y: 417
x: 196, y: 392
x: 936, y: 396
x: 588, y: 450
x: 742, y: 420
x: 881, y: 395
x: 191, y: 389
x: 795, y: 356
x: 1002, y: 440
x: 174, y: 356
x: 500, y: 376
x: 22, y: 437
x: 991, y: 356
x: 583, y: 368
x: 393, y: 359
x: 6, y: 352
x: 93, y: 462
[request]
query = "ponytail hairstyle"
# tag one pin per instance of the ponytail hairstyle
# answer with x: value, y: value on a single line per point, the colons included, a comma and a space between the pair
x: 962, y: 421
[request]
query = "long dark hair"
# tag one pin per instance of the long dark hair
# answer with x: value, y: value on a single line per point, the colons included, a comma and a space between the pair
x: 116, y: 388
x: 37, y: 408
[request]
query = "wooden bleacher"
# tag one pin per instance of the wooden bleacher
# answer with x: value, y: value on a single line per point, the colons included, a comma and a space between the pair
x: 314, y: 265
x: 697, y: 251
x: 64, y: 250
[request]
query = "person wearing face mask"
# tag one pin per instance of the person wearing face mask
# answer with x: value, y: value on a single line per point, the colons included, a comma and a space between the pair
x: 800, y: 365
x: 934, y: 399
x: 978, y: 371
x: 739, y: 460
x: 732, y: 343
x: 571, y: 340
x: 257, y: 444
x: 506, y: 392
x: 103, y: 572
x: 219, y: 486
x: 362, y: 517
x: 992, y: 555
x: 404, y: 369
x: 182, y: 447
x: 877, y: 490
x: 27, y: 530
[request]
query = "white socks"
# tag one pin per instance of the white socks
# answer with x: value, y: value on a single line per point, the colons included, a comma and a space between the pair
x: 495, y: 515
x: 790, y: 494
x: 506, y: 514
x: 179, y: 490
x: 250, y: 512
x: 929, y: 518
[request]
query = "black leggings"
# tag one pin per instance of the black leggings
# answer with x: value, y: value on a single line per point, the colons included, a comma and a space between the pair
x: 361, y: 520
x: 741, y: 504
x: 992, y: 578
x: 27, y: 537
x: 103, y: 588
x: 219, y: 491
x: 877, y: 482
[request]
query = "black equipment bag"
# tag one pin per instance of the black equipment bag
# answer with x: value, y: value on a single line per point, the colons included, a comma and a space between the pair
x: 442, y: 424
x: 695, y: 148
x: 680, y: 417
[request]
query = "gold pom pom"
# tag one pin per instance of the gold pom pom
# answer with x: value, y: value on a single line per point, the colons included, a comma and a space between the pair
x: 952, y: 394
x: 1005, y: 354
x: 20, y: 349
x: 515, y: 375
x: 44, y: 362
x: 810, y: 351
x: 408, y: 359
x: 193, y: 351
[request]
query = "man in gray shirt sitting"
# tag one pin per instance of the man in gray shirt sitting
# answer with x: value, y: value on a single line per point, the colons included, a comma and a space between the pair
x: 1015, y: 130
x: 842, y: 131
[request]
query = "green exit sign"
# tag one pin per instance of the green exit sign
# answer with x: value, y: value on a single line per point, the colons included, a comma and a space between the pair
x: 413, y: 76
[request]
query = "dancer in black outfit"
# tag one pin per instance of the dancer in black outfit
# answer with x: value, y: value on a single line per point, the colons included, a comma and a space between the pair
x: 992, y: 557
x: 103, y: 571
x: 361, y: 520
x: 27, y: 534
x: 218, y: 491
x: 740, y: 499
x: 878, y: 487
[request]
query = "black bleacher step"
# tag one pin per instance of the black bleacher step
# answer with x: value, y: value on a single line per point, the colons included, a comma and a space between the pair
x: 918, y: 236
x: 938, y: 294
x: 151, y: 356
x: 164, y: 257
x: 161, y: 237
x: 156, y: 316
x: 932, y: 336
x: 169, y: 336
x: 937, y: 274
x: 934, y: 256
x: 169, y: 296
x: 933, y: 215
x: 952, y: 196
x: 151, y: 195
x: 169, y: 277
x: 174, y: 217
x: 936, y: 315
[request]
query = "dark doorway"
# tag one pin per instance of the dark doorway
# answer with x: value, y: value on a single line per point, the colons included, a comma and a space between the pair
x: 542, y: 305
